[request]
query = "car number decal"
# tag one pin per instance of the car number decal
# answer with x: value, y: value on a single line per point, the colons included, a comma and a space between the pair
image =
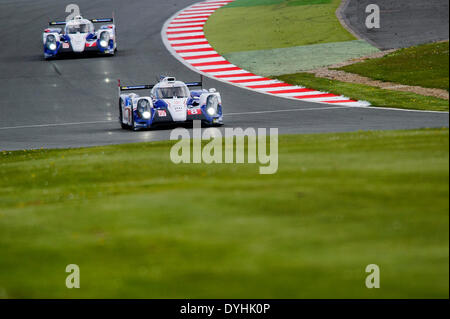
x: 194, y: 112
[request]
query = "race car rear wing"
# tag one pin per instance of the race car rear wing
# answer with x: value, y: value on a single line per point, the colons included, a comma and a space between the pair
x: 196, y: 84
x: 133, y: 87
x: 57, y: 23
x: 151, y: 86
x: 104, y: 20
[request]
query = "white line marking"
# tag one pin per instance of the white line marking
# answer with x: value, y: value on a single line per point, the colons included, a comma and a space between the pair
x: 188, y: 41
x: 244, y: 84
x: 325, y: 99
x: 181, y: 35
x: 198, y: 11
x: 184, y: 25
x: 274, y: 89
x: 193, y: 16
x: 228, y: 72
x: 185, y: 29
x: 337, y: 107
x: 198, y: 53
x: 55, y: 124
x: 190, y: 47
x: 370, y: 107
x: 114, y: 121
x: 301, y: 94
x: 250, y: 77
x: 292, y: 110
x: 207, y: 68
x: 206, y: 60
x: 207, y: 7
x: 184, y: 21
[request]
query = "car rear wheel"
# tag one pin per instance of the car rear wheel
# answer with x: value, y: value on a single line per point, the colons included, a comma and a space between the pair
x: 132, y: 120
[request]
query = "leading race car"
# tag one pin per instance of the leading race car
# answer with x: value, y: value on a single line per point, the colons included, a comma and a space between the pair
x: 170, y: 101
x: 79, y: 35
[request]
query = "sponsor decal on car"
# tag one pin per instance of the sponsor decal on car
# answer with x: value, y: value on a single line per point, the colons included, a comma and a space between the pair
x: 65, y: 45
x: 162, y: 113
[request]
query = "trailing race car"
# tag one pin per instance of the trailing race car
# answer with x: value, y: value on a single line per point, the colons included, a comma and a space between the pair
x: 79, y: 36
x: 170, y: 101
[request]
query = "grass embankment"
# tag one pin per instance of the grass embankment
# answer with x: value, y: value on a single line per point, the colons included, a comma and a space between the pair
x: 269, y: 25
x: 139, y: 226
x: 376, y: 96
x: 246, y: 25
x: 425, y: 65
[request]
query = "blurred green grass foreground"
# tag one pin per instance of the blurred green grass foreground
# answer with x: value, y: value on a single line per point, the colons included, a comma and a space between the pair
x: 139, y: 226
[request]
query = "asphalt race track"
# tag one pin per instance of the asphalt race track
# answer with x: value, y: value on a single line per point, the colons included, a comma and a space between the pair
x: 73, y: 102
x: 403, y: 23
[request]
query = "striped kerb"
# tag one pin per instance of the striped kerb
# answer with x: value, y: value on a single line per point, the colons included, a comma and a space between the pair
x: 185, y: 34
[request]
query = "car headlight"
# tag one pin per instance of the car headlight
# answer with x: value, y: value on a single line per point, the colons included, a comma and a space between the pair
x: 143, y: 109
x: 212, y: 104
x: 146, y: 115
x: 51, y: 42
x: 104, y: 39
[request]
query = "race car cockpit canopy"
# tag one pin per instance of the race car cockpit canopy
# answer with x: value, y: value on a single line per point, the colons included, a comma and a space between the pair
x: 79, y: 25
x: 80, y: 28
x: 171, y: 92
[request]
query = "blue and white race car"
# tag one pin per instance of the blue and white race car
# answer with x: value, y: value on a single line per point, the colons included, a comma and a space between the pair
x: 79, y: 35
x: 169, y: 101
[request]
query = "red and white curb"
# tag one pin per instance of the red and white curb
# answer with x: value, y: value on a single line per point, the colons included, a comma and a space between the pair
x: 184, y: 37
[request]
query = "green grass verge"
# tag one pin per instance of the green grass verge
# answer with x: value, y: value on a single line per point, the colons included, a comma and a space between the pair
x: 139, y: 226
x: 376, y: 96
x: 425, y: 65
x: 235, y: 28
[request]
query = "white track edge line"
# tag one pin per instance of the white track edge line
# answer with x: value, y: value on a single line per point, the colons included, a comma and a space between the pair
x: 337, y: 107
x: 227, y: 114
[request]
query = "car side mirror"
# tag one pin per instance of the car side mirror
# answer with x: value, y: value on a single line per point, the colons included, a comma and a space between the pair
x: 212, y: 90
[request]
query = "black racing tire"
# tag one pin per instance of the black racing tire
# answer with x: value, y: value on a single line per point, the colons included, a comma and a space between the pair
x: 208, y: 124
x: 124, y: 126
x: 132, y: 120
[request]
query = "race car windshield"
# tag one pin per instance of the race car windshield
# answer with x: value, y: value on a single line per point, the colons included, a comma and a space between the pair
x: 172, y: 92
x: 80, y: 28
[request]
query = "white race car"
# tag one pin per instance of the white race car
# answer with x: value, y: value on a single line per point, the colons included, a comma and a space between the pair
x: 79, y: 35
x: 169, y: 101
